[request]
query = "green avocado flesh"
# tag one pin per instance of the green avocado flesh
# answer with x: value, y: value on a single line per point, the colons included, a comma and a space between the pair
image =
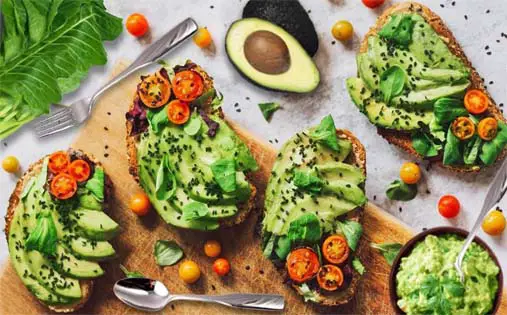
x: 280, y: 50
x: 427, y: 281
x: 54, y: 277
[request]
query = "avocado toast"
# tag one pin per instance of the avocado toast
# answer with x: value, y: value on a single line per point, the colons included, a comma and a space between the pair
x: 313, y: 209
x: 183, y: 153
x: 417, y: 86
x: 55, y: 244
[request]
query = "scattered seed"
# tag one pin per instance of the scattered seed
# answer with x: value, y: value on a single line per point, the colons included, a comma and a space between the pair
x: 238, y: 110
x: 106, y: 129
x: 489, y: 53
x: 374, y: 197
x: 236, y: 104
x: 211, y: 6
x: 487, y: 11
x: 213, y: 287
x: 247, y: 98
x: 466, y: 17
x: 491, y: 82
x: 5, y: 144
x: 106, y: 147
x: 487, y: 47
x: 333, y: 42
x: 261, y: 272
x: 247, y: 267
x: 106, y: 155
x: 442, y: 6
x: 501, y: 105
x: 424, y: 229
x: 400, y: 209
x: 453, y: 3
x: 428, y: 191
x: 172, y: 307
x: 109, y: 113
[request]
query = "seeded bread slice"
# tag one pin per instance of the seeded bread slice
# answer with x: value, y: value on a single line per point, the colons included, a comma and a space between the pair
x: 403, y: 139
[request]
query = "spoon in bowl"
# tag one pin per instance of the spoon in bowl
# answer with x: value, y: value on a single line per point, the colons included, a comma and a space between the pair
x: 152, y: 296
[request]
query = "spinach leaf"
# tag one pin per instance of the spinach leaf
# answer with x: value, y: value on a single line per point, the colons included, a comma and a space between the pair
x: 491, y: 149
x: 392, y: 82
x: 307, y: 180
x: 398, y: 30
x: 195, y: 210
x: 305, y: 229
x: 283, y: 247
x: 165, y: 185
x: 471, y: 152
x: 352, y: 231
x: 268, y: 109
x: 424, y: 145
x: 43, y: 237
x: 447, y: 109
x: 157, y: 119
x: 388, y: 250
x: 224, y: 172
x: 193, y: 126
x: 131, y: 274
x: 325, y: 133
x: 358, y: 266
x: 398, y: 190
x: 244, y: 158
x: 437, y: 131
x: 452, y: 150
x: 96, y: 184
x: 167, y: 253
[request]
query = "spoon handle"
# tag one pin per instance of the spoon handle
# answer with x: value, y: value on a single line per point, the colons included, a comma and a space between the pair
x: 264, y: 302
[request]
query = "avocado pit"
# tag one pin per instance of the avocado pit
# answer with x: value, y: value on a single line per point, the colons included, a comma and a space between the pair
x: 267, y: 52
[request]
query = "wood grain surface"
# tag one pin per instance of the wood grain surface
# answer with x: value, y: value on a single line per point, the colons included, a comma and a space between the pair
x: 104, y: 137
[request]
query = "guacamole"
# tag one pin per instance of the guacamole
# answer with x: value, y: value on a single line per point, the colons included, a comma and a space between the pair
x: 427, y: 282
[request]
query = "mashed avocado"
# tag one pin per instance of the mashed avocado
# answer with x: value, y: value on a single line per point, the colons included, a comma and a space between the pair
x: 427, y: 282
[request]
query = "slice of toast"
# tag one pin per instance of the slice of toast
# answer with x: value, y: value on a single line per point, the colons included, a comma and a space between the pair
x: 403, y: 139
x: 33, y: 171
x: 132, y: 140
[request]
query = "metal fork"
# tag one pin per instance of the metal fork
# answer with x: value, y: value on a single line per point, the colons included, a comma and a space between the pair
x: 80, y: 110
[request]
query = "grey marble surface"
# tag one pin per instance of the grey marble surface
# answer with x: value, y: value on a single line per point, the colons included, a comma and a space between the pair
x: 336, y: 62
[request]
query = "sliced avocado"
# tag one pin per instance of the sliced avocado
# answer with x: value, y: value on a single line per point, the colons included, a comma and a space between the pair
x: 341, y: 171
x: 91, y: 250
x: 74, y: 267
x: 216, y: 211
x: 88, y: 201
x: 96, y: 225
x: 424, y: 100
x: 347, y: 191
x: 270, y: 57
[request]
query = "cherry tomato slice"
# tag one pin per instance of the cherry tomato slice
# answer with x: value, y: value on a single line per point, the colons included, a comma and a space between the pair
x: 155, y: 90
x: 330, y: 277
x: 448, y: 206
x: 335, y: 249
x: 58, y: 162
x: 476, y: 102
x: 463, y: 128
x: 137, y: 24
x: 63, y: 186
x: 80, y: 170
x: 302, y: 264
x: 487, y: 128
x: 187, y: 85
x: 178, y: 112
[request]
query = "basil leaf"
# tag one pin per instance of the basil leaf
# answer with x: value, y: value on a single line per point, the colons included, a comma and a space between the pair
x: 471, y: 152
x: 424, y: 145
x: 43, y: 237
x: 193, y: 126
x: 358, y: 266
x: 305, y: 229
x: 308, y: 181
x: 388, y: 250
x: 398, y: 190
x: 491, y: 149
x: 325, y: 133
x: 392, y: 82
x: 195, y: 210
x: 447, y: 109
x: 167, y: 253
x: 268, y: 109
x: 452, y: 150
x: 131, y: 274
x: 157, y: 119
x: 398, y: 30
x: 165, y: 185
x: 96, y: 184
x: 352, y: 231
x: 224, y: 172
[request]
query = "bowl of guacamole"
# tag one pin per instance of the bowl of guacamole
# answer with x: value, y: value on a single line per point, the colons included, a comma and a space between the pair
x: 423, y: 279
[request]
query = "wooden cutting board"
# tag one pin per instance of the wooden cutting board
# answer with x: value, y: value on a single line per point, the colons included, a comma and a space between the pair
x: 104, y: 137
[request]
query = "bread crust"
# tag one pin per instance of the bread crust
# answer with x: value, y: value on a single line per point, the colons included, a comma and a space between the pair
x: 33, y: 170
x: 403, y: 140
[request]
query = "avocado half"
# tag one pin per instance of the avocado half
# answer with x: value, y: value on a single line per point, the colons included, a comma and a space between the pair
x: 270, y: 57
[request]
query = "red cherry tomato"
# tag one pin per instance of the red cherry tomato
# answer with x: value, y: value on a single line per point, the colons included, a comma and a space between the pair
x: 221, y: 267
x: 448, y: 206
x: 372, y: 4
x: 137, y: 24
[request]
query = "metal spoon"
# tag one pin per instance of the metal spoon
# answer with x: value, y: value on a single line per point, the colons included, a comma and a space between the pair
x: 495, y: 194
x: 152, y: 296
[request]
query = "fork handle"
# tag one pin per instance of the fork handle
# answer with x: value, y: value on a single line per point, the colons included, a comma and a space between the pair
x: 260, y: 302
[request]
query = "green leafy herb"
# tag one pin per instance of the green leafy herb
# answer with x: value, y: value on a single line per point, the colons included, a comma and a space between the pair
x: 268, y: 109
x: 471, y: 152
x: 491, y: 149
x: 392, y: 82
x: 388, y: 250
x: 308, y: 294
x: 305, y: 229
x: 325, y: 133
x: 439, y: 292
x: 47, y: 48
x: 307, y: 180
x: 87, y: 200
x: 283, y: 247
x: 437, y: 131
x: 424, y: 145
x: 447, y: 109
x: 205, y: 99
x: 131, y: 274
x: 398, y: 190
x: 96, y: 184
x: 452, y: 150
x: 43, y: 237
x: 193, y: 126
x: 352, y: 231
x: 167, y: 253
x: 195, y: 210
x: 398, y: 30
x: 157, y: 119
x: 224, y: 172
x: 244, y: 158
x: 358, y: 266
x: 165, y: 185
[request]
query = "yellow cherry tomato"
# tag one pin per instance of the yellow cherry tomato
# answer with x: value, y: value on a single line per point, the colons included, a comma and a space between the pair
x: 189, y: 272
x: 10, y: 164
x: 212, y: 248
x: 494, y: 223
x: 410, y: 173
x: 342, y: 30
x: 140, y: 204
x: 202, y: 38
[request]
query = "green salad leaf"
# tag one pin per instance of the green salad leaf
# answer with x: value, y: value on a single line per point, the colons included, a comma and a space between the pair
x: 398, y: 190
x: 244, y: 158
x: 424, y: 145
x: 193, y: 126
x: 224, y: 172
x: 43, y: 237
x: 358, y: 266
x: 439, y: 292
x: 308, y: 294
x: 307, y: 180
x: 392, y: 82
x: 471, y: 151
x: 167, y: 253
x: 447, y: 109
x: 305, y: 229
x: 165, y: 184
x: 398, y: 30
x: 157, y: 119
x: 131, y: 274
x: 491, y: 149
x: 452, y: 149
x: 388, y: 250
x: 47, y: 47
x: 268, y: 244
x: 268, y: 109
x: 195, y: 210
x: 96, y: 184
x: 283, y: 246
x: 325, y: 133
x: 352, y: 231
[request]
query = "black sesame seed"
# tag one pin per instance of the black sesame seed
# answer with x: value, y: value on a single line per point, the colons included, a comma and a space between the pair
x: 466, y: 17
x: 442, y: 6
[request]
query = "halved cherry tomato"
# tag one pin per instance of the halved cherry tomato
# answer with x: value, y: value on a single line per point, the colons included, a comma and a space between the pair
x: 335, y: 249
x: 330, y: 277
x: 487, y: 128
x: 155, y: 90
x: 59, y: 162
x: 202, y: 38
x: 463, y: 128
x: 80, y: 170
x: 448, y: 206
x: 63, y: 186
x: 302, y: 264
x: 476, y: 102
x: 178, y: 112
x: 187, y: 85
x: 137, y: 24
x: 221, y: 267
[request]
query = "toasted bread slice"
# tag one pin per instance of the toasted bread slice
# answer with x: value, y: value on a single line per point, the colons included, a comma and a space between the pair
x: 132, y: 140
x: 403, y: 139
x: 33, y: 171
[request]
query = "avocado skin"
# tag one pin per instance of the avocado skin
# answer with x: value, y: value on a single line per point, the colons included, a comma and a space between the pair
x: 289, y: 15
